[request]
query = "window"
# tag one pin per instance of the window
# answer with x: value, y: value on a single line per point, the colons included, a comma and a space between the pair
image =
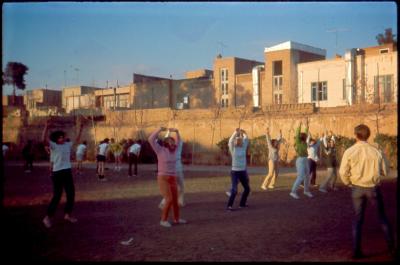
x: 319, y: 91
x: 224, y: 88
x: 381, y: 51
x: 277, y: 82
x: 277, y: 67
x: 344, y: 94
x: 383, y: 88
x: 278, y: 98
x: 224, y: 103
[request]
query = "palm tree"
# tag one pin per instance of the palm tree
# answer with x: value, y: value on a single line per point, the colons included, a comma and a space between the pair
x: 14, y: 75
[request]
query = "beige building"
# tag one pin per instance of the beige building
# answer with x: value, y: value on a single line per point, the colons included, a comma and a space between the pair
x: 281, y: 71
x: 352, y: 79
x: 78, y: 97
x: 43, y: 102
x: 232, y: 85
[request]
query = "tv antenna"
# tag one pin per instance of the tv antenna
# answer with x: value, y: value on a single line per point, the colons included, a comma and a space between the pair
x: 222, y: 45
x: 336, y: 30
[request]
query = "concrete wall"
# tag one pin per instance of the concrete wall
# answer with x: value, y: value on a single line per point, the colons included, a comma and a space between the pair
x: 202, y: 129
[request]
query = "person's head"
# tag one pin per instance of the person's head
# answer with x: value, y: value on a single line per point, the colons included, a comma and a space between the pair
x: 238, y: 141
x: 169, y: 143
x: 58, y: 137
x: 312, y: 141
x: 139, y: 141
x: 274, y: 143
x: 331, y: 143
x: 362, y: 132
x: 106, y: 140
x: 303, y: 137
x: 84, y: 142
x: 112, y: 140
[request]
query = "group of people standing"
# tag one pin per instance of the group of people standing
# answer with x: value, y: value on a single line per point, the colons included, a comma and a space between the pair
x: 362, y: 167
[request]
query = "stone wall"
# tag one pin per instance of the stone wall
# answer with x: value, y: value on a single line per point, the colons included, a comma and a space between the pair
x: 202, y: 129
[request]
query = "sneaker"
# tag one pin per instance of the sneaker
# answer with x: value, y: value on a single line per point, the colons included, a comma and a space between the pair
x: 165, y: 223
x: 129, y: 176
x: 161, y: 205
x: 323, y: 190
x: 243, y: 206
x: 135, y: 175
x: 308, y: 194
x: 263, y: 187
x: 70, y: 219
x: 229, y: 208
x: 271, y: 187
x: 228, y: 193
x: 180, y: 221
x: 301, y: 186
x: 47, y: 222
x: 294, y: 195
x: 335, y: 189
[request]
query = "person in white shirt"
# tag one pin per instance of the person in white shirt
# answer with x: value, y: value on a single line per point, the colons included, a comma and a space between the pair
x: 133, y: 156
x: 179, y: 174
x: 5, y: 150
x: 313, y: 150
x: 101, y: 158
x: 61, y: 173
x: 80, y: 155
x: 273, y: 159
x: 237, y: 144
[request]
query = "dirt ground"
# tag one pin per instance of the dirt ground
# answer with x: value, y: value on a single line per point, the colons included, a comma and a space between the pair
x: 274, y: 227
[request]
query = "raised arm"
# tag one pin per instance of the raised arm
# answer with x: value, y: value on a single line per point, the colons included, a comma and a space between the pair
x: 178, y: 136
x: 268, y: 138
x: 152, y: 139
x: 231, y: 139
x: 279, y: 139
x: 80, y: 127
x: 245, y: 137
x: 45, y: 139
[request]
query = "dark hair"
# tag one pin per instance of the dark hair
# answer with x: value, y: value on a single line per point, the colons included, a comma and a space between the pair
x: 84, y: 142
x: 303, y: 137
x: 106, y: 140
x: 362, y: 132
x: 55, y: 135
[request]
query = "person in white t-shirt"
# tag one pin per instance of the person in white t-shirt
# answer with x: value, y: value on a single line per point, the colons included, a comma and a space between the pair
x: 61, y: 176
x: 80, y: 155
x: 133, y: 156
x: 101, y: 158
x: 5, y: 150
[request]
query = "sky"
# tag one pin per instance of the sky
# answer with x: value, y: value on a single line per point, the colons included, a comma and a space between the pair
x: 100, y: 43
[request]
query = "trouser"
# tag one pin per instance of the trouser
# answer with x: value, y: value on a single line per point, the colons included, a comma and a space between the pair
x: 360, y: 196
x: 272, y: 173
x: 303, y: 173
x: 169, y: 191
x: 29, y: 162
x: 313, y: 171
x: 181, y: 188
x: 237, y: 176
x: 133, y: 159
x: 62, y: 179
x: 330, y: 179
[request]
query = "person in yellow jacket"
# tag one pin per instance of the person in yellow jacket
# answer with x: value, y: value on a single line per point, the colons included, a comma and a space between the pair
x: 362, y: 167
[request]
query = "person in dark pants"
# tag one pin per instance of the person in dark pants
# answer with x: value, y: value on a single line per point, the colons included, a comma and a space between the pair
x: 237, y: 144
x: 61, y: 174
x: 134, y: 151
x: 362, y: 167
x: 28, y: 154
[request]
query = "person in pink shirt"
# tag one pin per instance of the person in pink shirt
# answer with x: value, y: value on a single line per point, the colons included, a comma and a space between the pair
x: 166, y: 176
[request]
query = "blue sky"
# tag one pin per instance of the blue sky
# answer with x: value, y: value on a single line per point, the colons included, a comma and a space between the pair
x: 89, y: 43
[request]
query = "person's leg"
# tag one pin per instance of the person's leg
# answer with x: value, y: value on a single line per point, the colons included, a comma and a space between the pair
x: 57, y: 192
x: 181, y: 187
x: 135, y: 160
x: 301, y: 169
x: 385, y: 224
x: 130, y: 161
x: 312, y: 167
x: 244, y: 180
x: 332, y: 183
x: 268, y: 177
x: 167, y: 194
x: 274, y: 174
x: 234, y: 183
x: 327, y: 180
x: 30, y: 163
x: 69, y: 190
x: 359, y: 203
x: 174, y: 192
x: 306, y: 177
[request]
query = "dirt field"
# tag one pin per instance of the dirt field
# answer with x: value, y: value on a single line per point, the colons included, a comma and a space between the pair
x: 274, y: 227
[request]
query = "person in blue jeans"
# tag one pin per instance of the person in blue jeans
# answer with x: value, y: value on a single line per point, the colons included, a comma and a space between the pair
x: 237, y: 144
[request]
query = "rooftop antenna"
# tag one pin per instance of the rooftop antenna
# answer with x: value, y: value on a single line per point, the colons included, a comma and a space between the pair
x: 336, y: 30
x: 222, y: 45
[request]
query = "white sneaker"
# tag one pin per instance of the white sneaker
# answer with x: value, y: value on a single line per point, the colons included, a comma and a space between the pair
x: 263, y: 187
x: 271, y: 187
x: 294, y: 195
x: 228, y: 193
x: 165, y: 223
x: 180, y: 221
x: 70, y: 219
x: 47, y: 222
x: 308, y: 194
x: 323, y: 190
x: 161, y: 205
